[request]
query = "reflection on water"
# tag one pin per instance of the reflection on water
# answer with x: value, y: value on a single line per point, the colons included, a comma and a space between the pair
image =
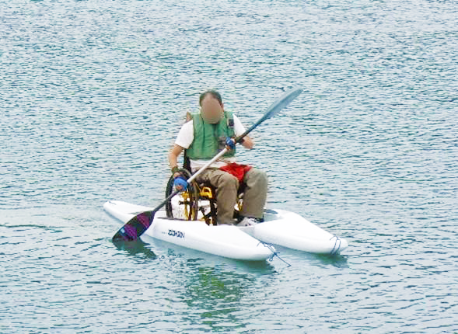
x: 135, y: 248
x: 338, y: 260
x: 217, y: 293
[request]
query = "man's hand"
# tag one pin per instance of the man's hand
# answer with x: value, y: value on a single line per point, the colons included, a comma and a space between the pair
x: 230, y: 143
x: 180, y: 182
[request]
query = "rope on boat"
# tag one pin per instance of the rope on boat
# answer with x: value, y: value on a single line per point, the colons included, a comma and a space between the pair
x: 274, y: 252
x: 335, y: 250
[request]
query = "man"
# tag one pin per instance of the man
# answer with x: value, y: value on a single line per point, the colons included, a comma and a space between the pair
x: 203, y: 137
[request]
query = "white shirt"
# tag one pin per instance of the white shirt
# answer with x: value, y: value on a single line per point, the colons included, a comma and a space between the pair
x: 186, y: 137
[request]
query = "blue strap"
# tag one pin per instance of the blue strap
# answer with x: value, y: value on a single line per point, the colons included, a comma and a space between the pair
x: 335, y: 250
x: 274, y: 253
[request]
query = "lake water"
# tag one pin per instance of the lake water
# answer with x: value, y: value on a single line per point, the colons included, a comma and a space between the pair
x: 93, y: 93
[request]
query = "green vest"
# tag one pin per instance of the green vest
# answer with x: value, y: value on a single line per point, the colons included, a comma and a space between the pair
x: 209, y: 139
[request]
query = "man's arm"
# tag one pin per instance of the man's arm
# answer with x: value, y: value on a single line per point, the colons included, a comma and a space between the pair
x: 239, y: 129
x: 248, y: 142
x: 174, y: 154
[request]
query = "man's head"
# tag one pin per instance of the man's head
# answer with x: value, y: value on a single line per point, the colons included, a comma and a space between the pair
x: 212, y: 107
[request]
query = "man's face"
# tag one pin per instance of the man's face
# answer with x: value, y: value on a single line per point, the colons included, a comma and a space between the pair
x: 212, y: 110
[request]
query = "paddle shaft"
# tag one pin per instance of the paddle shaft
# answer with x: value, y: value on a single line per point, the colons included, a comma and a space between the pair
x: 208, y: 164
x: 239, y: 139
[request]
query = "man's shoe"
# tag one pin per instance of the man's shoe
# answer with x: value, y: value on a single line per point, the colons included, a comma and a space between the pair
x: 248, y: 221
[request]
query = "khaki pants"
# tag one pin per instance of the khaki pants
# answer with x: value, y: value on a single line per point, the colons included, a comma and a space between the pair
x: 254, y: 198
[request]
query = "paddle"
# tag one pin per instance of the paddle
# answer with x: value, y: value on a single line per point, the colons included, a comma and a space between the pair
x: 135, y: 227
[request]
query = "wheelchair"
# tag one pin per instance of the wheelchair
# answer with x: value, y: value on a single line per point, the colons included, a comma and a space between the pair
x: 197, y: 202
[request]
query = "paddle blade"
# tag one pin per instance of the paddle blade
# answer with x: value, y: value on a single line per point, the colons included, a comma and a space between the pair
x: 135, y: 227
x: 281, y: 103
x: 274, y: 109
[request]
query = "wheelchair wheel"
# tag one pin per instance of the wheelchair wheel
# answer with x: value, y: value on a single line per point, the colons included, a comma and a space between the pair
x: 188, y: 201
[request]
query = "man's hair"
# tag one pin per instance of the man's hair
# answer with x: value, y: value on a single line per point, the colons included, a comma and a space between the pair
x: 213, y: 93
